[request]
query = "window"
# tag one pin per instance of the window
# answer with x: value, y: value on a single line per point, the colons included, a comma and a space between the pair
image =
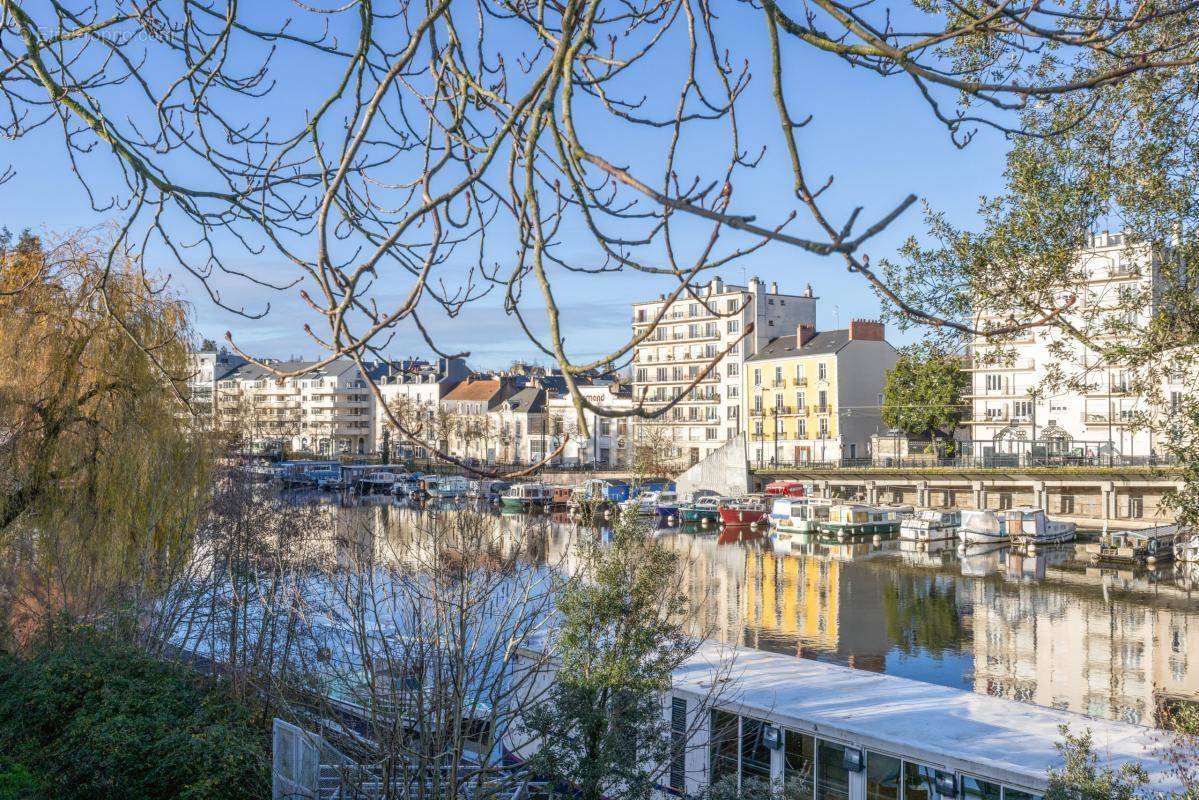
x: 800, y: 402
x: 1005, y: 500
x: 712, y: 434
x: 1022, y: 408
x: 1136, y: 506
x: 733, y: 368
x: 803, y: 428
x: 734, y: 325
x: 823, y: 427
x: 822, y: 403
x: 732, y: 412
x: 757, y: 377
x: 882, y: 777
x: 723, y: 745
x: 755, y: 755
x: 822, y: 371
x: 832, y: 778
x: 733, y: 391
x: 800, y: 373
x: 994, y: 383
x: 1175, y: 402
x: 778, y: 402
x: 731, y: 305
x: 778, y: 376
x: 1016, y: 794
x: 978, y: 789
x: 758, y: 403
x: 799, y: 764
x: 1066, y: 504
x: 919, y: 782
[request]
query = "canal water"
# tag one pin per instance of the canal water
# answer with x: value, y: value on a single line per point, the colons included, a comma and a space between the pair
x: 1048, y: 629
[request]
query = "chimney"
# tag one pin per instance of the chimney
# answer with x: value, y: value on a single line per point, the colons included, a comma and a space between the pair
x: 869, y: 330
x: 716, y: 286
x: 804, y: 334
x: 774, y: 287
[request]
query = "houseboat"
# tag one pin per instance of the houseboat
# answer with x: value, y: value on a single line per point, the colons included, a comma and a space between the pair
x: 1186, y: 547
x: 750, y: 509
x: 930, y: 525
x: 297, y: 480
x: 791, y: 515
x: 982, y: 526
x: 488, y: 490
x: 407, y: 486
x: 645, y: 502
x: 853, y: 519
x: 596, y: 492
x: 527, y: 495
x: 1027, y: 525
x: 822, y: 731
x: 380, y: 482
x: 328, y: 480
x: 1134, y: 547
x: 446, y: 486
x: 561, y: 496
x: 704, y: 510
x: 668, y: 506
x: 785, y: 488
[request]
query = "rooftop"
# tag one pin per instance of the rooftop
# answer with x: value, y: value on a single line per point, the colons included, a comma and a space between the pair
x: 823, y: 343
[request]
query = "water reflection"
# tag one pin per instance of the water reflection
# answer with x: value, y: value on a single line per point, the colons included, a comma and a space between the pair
x: 1044, y: 628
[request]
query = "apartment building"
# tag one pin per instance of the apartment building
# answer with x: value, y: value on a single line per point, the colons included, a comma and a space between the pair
x: 208, y: 366
x: 465, y: 424
x: 609, y: 443
x: 817, y: 396
x: 414, y: 392
x: 324, y: 411
x: 1014, y: 410
x: 685, y: 335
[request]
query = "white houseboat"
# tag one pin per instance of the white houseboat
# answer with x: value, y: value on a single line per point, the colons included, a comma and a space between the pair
x: 930, y: 525
x: 982, y: 526
x: 823, y: 731
x: 1027, y: 525
x: 791, y: 515
x: 446, y: 486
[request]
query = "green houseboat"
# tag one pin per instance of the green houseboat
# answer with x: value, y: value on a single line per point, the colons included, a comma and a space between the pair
x: 705, y: 510
x: 861, y: 520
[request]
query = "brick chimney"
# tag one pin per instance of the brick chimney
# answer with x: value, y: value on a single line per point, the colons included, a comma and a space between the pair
x: 870, y: 330
x: 804, y: 334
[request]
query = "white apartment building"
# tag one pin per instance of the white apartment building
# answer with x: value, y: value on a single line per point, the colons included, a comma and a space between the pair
x: 325, y: 412
x: 1011, y: 404
x: 609, y: 443
x: 414, y: 392
x: 689, y: 335
x: 208, y: 365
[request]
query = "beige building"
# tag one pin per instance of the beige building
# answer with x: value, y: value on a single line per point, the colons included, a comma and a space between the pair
x: 686, y: 335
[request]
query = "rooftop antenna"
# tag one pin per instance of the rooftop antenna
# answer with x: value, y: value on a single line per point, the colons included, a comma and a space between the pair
x: 836, y: 317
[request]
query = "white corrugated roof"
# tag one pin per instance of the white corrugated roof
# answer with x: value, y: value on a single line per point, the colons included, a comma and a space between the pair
x: 956, y: 730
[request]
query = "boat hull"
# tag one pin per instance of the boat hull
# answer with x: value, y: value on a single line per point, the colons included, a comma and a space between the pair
x: 839, y: 529
x: 699, y: 515
x: 742, y: 516
x: 967, y: 536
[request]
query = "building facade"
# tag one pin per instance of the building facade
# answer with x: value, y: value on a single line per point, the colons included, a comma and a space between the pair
x: 1016, y: 410
x: 685, y: 335
x: 609, y: 442
x: 811, y: 397
x: 208, y: 366
x: 326, y: 411
x: 413, y: 393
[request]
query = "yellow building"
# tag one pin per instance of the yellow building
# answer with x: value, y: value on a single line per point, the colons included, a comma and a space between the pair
x: 816, y: 396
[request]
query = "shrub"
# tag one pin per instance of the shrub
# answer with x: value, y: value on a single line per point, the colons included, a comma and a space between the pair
x: 101, y: 720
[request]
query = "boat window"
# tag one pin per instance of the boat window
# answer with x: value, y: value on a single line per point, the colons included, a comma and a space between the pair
x: 832, y: 778
x: 882, y: 776
x: 723, y: 745
x: 978, y: 789
x: 799, y: 764
x: 755, y: 755
x: 919, y: 781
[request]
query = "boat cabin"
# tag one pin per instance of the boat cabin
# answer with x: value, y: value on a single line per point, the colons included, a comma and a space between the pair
x: 785, y: 488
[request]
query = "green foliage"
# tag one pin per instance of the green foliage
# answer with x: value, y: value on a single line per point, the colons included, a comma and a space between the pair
x: 18, y: 783
x: 924, y: 392
x: 100, y: 720
x: 922, y: 617
x: 1080, y: 777
x: 620, y: 637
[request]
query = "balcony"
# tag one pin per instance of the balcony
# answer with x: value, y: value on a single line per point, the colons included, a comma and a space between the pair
x: 1104, y: 418
x: 1017, y: 365
x: 800, y: 381
x: 778, y: 384
x: 824, y: 409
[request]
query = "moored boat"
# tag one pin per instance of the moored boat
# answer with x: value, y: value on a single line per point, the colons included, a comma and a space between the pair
x: 380, y: 482
x: 560, y: 496
x: 930, y: 525
x: 785, y: 488
x: 1134, y: 546
x: 447, y: 486
x: 527, y: 495
x: 1027, y: 525
x: 855, y: 519
x: 704, y: 510
x: 790, y: 515
x: 1186, y: 547
x: 982, y: 526
x: 750, y: 509
x: 297, y: 480
x: 488, y: 490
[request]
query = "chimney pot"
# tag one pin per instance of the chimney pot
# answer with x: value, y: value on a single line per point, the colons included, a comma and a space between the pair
x: 804, y: 334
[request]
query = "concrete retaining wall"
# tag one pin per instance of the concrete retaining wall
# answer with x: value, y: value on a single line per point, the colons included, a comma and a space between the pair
x: 725, y: 471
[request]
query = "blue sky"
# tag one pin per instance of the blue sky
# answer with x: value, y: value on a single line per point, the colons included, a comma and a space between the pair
x: 875, y: 135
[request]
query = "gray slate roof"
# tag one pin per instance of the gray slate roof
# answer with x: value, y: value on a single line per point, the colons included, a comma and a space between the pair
x: 823, y: 343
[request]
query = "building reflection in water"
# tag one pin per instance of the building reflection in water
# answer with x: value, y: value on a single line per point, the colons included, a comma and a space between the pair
x: 1045, y: 629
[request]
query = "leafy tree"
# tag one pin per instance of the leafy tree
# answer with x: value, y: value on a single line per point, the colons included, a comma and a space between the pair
x: 93, y: 719
x: 620, y: 636
x: 1080, y: 777
x: 924, y: 392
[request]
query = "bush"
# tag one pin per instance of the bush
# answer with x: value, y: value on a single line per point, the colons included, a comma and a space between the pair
x: 102, y: 720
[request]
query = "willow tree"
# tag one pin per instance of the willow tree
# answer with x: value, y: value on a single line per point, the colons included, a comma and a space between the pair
x: 100, y: 475
x: 404, y: 161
